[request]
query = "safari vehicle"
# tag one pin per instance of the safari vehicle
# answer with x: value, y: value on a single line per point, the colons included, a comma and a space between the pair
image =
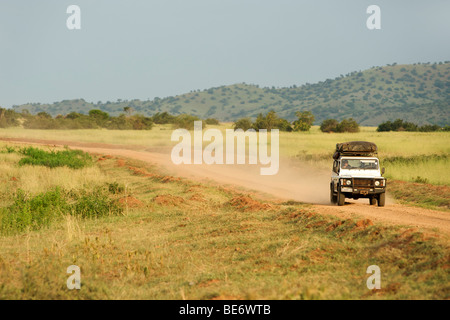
x: 356, y: 174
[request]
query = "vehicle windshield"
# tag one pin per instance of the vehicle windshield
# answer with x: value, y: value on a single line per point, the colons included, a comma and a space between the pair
x: 359, y: 164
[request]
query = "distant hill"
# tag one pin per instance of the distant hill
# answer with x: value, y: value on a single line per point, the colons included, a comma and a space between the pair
x: 418, y: 93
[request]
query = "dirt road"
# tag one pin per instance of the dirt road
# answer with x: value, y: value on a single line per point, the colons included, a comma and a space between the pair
x: 293, y: 182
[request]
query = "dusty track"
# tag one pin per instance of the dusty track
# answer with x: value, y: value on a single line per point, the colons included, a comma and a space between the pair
x: 291, y: 183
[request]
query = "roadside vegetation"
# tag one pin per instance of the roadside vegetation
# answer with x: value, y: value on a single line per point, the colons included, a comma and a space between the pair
x: 178, y: 239
x: 25, y: 207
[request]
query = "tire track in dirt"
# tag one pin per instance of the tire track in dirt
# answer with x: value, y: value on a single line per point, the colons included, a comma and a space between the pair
x: 293, y: 182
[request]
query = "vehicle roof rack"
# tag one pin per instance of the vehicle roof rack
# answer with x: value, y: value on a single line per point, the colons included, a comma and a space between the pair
x: 356, y: 149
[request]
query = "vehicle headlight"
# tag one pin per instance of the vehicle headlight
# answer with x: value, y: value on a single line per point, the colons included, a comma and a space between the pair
x: 348, y: 182
x: 377, y: 183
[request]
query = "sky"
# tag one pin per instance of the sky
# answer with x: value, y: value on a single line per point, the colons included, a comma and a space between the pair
x: 142, y: 49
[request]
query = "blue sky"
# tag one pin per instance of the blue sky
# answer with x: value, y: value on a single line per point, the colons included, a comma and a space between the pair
x: 144, y: 49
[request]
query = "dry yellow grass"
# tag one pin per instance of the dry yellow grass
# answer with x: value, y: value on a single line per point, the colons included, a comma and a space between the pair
x: 209, y: 246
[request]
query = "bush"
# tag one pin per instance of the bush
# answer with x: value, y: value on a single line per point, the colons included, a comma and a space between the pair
x: 163, y: 118
x: 8, y: 118
x: 304, y: 122
x: 429, y: 128
x: 33, y: 213
x: 140, y: 122
x: 243, y: 124
x: 329, y: 125
x: 116, y: 188
x: 348, y: 125
x: 185, y: 121
x: 119, y: 123
x: 212, y: 121
x: 401, y: 125
x: 75, y: 159
x: 284, y: 125
x: 271, y: 121
x: 95, y: 204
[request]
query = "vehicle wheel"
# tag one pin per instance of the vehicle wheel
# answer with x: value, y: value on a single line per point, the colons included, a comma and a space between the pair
x: 373, y: 201
x: 340, y: 199
x: 381, y: 199
x: 333, y: 198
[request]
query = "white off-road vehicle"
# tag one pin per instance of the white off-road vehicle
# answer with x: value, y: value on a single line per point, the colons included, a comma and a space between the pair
x: 357, y: 174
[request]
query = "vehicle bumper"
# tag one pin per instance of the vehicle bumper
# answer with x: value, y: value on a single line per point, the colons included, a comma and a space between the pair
x: 361, y: 192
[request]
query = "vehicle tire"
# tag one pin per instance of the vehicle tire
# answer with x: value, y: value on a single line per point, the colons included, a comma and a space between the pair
x: 340, y: 199
x: 381, y: 199
x: 373, y: 201
x: 333, y: 198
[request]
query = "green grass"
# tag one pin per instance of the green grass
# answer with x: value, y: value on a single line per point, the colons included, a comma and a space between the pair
x: 27, y: 210
x: 33, y: 212
x: 74, y: 159
x: 421, y: 194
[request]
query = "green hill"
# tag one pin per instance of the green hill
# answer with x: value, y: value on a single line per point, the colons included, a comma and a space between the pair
x: 418, y: 93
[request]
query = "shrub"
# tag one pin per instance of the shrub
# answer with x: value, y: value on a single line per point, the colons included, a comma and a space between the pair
x: 348, y: 125
x: 430, y: 128
x: 8, y: 118
x: 116, y: 188
x: 140, y: 122
x: 329, y: 125
x: 271, y: 121
x: 163, y: 118
x: 304, y: 122
x: 185, y: 121
x: 34, y: 213
x: 95, y: 204
x: 212, y: 121
x: 243, y: 124
x: 401, y: 125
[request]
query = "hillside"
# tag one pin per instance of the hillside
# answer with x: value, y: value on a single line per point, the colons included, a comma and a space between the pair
x: 418, y: 93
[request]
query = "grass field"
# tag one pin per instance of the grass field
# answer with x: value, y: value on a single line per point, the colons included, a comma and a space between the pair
x: 177, y: 239
x: 407, y: 156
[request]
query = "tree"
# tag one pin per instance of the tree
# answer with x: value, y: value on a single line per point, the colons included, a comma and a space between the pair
x: 44, y: 115
x: 72, y: 115
x: 329, y: 125
x: 304, y: 122
x: 268, y: 122
x: 212, y: 121
x: 243, y: 124
x: 99, y: 116
x: 348, y: 125
x: 185, y: 121
x: 163, y: 118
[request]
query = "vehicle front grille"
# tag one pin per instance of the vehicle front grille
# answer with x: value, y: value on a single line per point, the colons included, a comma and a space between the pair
x: 363, y: 183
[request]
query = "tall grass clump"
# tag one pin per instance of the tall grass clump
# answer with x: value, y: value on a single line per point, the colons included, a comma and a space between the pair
x: 39, y: 211
x: 95, y: 204
x: 33, y: 212
x: 75, y: 159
